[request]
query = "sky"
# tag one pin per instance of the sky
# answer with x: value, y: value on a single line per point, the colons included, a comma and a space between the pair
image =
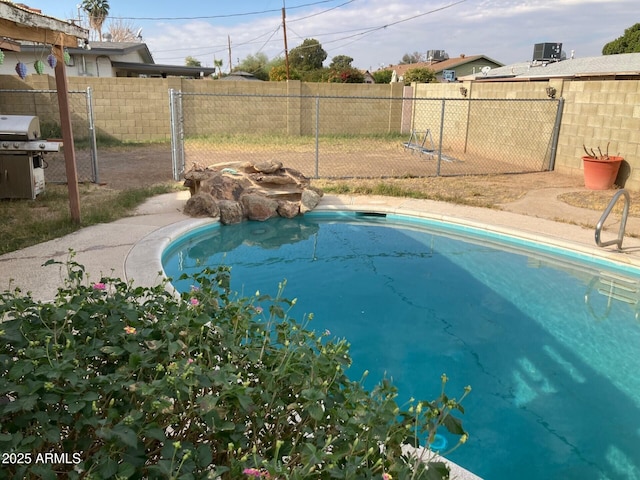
x: 375, y: 33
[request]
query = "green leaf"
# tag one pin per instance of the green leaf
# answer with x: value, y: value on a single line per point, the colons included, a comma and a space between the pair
x: 156, y: 433
x: 90, y: 397
x: 437, y: 471
x: 203, y: 456
x: 109, y: 468
x: 316, y: 411
x: 174, y: 347
x: 313, y: 394
x: 75, y: 407
x: 126, y: 470
x: 20, y: 369
x: 453, y: 425
x: 126, y: 435
x: 112, y: 350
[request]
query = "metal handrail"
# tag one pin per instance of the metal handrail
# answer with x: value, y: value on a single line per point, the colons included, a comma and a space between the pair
x: 623, y: 220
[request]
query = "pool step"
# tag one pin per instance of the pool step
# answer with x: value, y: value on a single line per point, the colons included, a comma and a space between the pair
x: 619, y: 288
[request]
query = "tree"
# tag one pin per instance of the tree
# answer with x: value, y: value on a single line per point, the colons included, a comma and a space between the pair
x: 122, y: 31
x: 192, y: 62
x: 345, y: 75
x: 97, y: 10
x: 627, y: 43
x: 414, y: 57
x: 278, y: 73
x: 308, y: 56
x: 419, y: 75
x: 341, y: 62
x: 382, y: 76
x: 255, y: 65
x: 218, y: 64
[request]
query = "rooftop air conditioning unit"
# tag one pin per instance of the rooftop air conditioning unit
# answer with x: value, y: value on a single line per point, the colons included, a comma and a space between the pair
x: 437, y: 55
x: 547, y: 52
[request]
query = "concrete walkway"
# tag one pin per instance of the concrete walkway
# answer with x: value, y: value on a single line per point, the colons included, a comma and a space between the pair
x: 130, y: 248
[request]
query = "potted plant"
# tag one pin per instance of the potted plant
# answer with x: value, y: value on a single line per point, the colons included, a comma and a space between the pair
x: 601, y: 169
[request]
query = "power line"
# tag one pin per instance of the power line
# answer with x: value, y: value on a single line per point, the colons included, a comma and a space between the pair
x: 229, y: 15
x: 320, y: 13
x: 360, y: 33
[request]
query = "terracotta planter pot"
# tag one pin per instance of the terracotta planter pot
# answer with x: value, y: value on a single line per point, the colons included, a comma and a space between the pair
x: 600, y: 174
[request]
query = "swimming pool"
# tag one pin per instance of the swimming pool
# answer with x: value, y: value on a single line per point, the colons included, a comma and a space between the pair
x: 549, y: 344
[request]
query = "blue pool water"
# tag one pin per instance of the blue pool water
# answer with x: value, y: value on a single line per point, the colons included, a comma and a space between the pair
x: 550, y: 345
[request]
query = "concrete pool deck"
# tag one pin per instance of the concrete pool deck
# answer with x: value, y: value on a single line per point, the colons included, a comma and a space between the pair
x: 130, y: 248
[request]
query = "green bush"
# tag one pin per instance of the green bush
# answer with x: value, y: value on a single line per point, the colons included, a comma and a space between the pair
x: 116, y: 381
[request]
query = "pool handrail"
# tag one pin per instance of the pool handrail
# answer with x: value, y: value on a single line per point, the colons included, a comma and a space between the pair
x: 623, y: 220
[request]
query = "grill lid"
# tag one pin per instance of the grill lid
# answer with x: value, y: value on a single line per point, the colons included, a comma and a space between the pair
x: 19, y: 127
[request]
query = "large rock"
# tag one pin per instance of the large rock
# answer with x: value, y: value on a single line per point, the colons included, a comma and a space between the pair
x: 224, y: 187
x: 256, y: 191
x: 259, y: 207
x: 201, y: 205
x: 309, y: 200
x: 230, y: 212
x: 288, y: 209
x: 269, y: 166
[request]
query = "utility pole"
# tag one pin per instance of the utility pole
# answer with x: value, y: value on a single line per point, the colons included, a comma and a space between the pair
x: 229, y: 43
x: 284, y: 29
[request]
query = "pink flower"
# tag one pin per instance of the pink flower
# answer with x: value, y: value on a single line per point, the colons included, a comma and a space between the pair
x: 387, y: 476
x: 129, y: 330
x: 258, y: 309
x: 99, y: 286
x: 255, y: 473
x: 190, y: 360
x: 194, y: 301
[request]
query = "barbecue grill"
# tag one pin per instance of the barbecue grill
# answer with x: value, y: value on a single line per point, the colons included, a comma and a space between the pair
x: 22, y: 156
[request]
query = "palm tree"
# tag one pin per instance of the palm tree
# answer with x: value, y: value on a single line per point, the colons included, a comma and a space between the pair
x: 218, y: 65
x: 98, y: 10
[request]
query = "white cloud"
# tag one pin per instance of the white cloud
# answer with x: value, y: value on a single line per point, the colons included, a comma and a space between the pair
x: 505, y: 30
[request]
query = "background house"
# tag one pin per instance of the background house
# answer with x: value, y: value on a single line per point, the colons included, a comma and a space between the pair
x: 101, y: 59
x: 623, y: 66
x: 448, y: 69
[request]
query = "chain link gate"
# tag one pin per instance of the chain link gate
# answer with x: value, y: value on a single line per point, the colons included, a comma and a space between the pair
x: 365, y: 137
x: 44, y: 105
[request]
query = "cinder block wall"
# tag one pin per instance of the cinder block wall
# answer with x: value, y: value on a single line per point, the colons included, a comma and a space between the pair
x: 133, y: 109
x: 596, y: 112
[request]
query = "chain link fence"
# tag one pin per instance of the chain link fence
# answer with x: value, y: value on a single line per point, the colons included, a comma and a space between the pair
x: 367, y: 137
x: 44, y: 105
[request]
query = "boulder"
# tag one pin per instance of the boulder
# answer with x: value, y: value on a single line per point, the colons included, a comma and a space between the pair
x: 230, y: 212
x: 201, y: 205
x: 259, y: 207
x: 288, y: 209
x: 309, y: 200
x: 269, y: 166
x: 223, y: 187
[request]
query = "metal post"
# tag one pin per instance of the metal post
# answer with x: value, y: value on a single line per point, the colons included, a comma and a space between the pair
x: 92, y: 137
x: 317, y: 136
x: 556, y: 134
x: 441, y: 135
x: 177, y: 146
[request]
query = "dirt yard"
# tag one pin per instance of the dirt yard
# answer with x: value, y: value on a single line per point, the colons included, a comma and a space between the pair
x: 140, y: 166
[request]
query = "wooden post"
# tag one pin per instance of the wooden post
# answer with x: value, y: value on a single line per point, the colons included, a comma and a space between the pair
x: 67, y: 134
x: 286, y: 50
